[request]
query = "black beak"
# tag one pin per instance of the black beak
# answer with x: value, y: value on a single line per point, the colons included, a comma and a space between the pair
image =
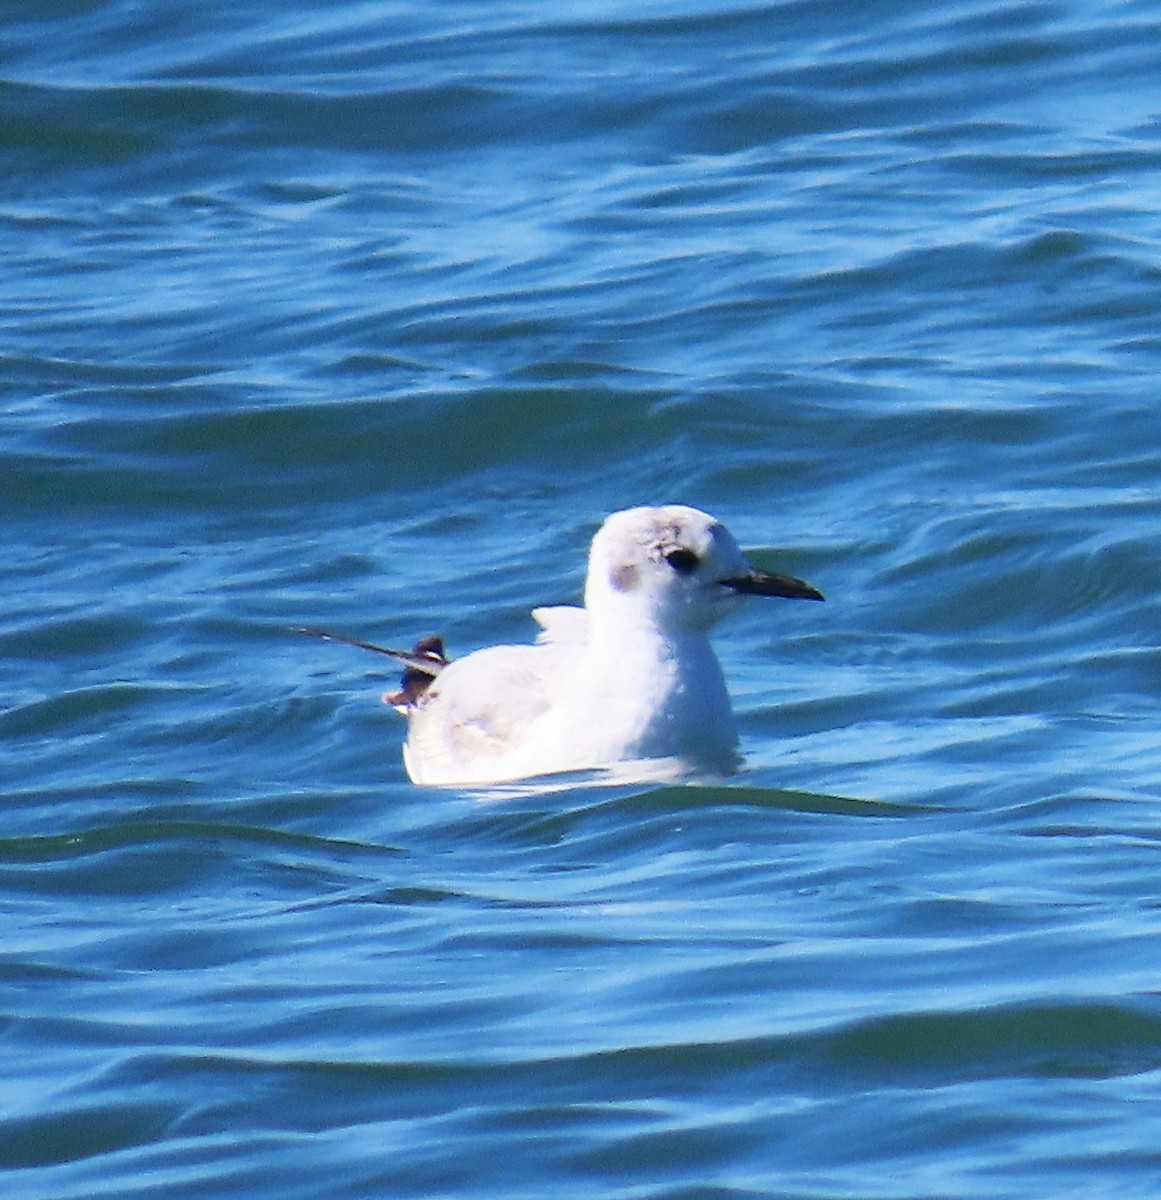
x: 762, y: 583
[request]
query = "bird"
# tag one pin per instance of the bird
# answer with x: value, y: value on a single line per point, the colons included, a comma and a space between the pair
x: 630, y: 678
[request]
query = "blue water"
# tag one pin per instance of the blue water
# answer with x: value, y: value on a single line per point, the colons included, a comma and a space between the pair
x: 363, y: 315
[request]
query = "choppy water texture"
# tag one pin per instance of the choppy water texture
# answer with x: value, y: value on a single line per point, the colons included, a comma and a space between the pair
x: 362, y: 315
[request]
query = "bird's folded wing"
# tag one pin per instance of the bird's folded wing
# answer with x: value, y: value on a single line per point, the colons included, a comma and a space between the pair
x: 479, y: 712
x: 561, y: 624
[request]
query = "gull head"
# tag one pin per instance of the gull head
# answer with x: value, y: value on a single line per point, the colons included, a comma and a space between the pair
x: 676, y: 568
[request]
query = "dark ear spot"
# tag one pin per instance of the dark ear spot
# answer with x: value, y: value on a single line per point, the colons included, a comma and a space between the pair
x: 623, y: 577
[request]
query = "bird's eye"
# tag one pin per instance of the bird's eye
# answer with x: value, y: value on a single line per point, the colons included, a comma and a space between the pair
x: 681, y: 560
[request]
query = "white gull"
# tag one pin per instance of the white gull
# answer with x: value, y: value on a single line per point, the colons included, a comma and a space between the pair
x: 629, y: 678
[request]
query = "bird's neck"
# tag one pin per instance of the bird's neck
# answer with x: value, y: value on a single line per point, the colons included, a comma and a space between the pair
x: 662, y: 687
x: 645, y: 645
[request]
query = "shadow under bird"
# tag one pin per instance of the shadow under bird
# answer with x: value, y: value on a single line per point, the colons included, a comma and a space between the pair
x: 629, y: 679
